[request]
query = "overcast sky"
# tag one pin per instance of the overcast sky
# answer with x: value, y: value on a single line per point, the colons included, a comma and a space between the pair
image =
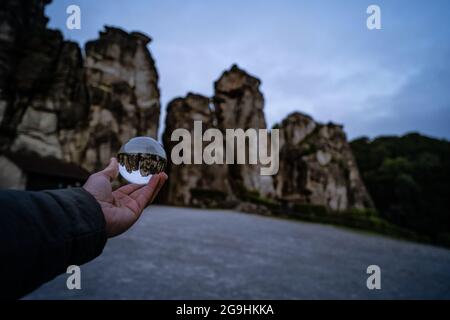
x: 317, y: 57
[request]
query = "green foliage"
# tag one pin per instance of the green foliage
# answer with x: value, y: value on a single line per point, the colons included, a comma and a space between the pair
x: 369, y: 212
x: 310, y: 209
x: 268, y: 203
x: 409, y: 180
x: 212, y: 194
x: 361, y: 219
x: 255, y: 197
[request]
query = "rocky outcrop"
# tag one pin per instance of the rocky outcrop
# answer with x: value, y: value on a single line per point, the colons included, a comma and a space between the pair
x: 317, y: 166
x: 193, y: 184
x: 316, y: 163
x: 56, y: 108
x: 54, y: 104
x: 63, y: 109
x: 21, y: 24
x: 124, y: 97
x: 41, y: 84
x: 239, y: 103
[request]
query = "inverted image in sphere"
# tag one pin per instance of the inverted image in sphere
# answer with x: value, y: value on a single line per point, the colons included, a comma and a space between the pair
x: 140, y: 158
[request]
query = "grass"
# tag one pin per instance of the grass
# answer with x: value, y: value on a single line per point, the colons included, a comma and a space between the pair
x: 367, y: 220
x: 363, y: 220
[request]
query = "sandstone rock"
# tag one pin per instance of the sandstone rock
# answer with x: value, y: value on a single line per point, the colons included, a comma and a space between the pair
x: 37, y: 132
x: 122, y: 83
x: 18, y: 21
x: 317, y: 166
x: 239, y: 103
x: 193, y: 184
x: 55, y: 100
x: 41, y: 81
x: 43, y: 145
x: 55, y: 104
x: 296, y: 127
x: 323, y: 157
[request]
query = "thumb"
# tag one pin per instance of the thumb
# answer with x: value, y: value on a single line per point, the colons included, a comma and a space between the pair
x: 112, y: 170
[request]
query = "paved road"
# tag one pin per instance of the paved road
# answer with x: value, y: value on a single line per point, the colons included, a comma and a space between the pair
x: 179, y: 253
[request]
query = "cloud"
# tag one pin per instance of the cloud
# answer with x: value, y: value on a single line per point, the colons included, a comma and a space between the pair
x: 312, y: 56
x: 421, y: 104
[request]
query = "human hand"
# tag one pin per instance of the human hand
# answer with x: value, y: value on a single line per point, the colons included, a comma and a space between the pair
x: 122, y: 207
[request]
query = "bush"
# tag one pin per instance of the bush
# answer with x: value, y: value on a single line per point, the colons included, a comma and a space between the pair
x: 408, y: 178
x: 208, y: 193
x: 255, y: 197
x: 310, y: 209
x: 272, y: 205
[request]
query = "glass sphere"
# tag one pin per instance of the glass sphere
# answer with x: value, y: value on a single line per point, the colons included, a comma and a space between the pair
x: 140, y: 158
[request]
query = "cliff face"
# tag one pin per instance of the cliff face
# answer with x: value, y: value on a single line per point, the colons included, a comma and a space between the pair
x: 317, y: 166
x: 22, y: 25
x: 54, y: 104
x: 239, y: 103
x: 124, y: 97
x: 316, y: 163
x: 193, y: 184
x: 41, y: 84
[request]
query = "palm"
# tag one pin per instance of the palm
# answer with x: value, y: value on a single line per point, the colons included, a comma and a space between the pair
x: 124, y: 206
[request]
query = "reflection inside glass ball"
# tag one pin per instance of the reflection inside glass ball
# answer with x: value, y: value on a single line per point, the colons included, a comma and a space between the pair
x: 140, y: 158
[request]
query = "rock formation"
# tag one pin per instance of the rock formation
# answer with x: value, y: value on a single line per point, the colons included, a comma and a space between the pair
x: 317, y: 166
x: 239, y: 103
x: 193, y: 184
x: 124, y: 97
x: 41, y: 84
x: 54, y: 104
x: 57, y: 109
x: 316, y: 162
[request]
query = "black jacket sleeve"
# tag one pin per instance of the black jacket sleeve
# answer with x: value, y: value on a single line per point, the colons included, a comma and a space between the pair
x: 42, y: 233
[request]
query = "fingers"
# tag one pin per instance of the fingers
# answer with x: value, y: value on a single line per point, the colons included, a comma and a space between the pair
x: 112, y: 170
x: 145, y: 194
x: 162, y: 179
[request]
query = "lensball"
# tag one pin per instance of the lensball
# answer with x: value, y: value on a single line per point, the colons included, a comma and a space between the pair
x: 140, y: 158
